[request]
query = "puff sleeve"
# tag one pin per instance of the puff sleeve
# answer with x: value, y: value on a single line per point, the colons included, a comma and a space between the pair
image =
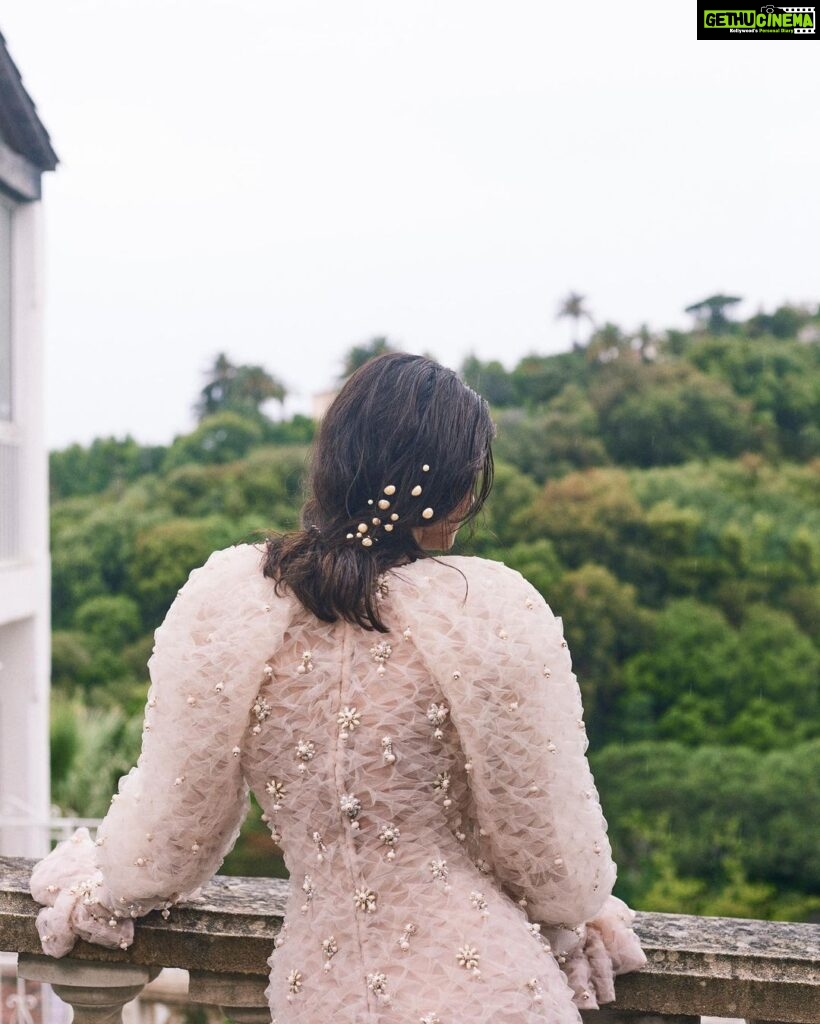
x: 505, y: 670
x: 179, y: 810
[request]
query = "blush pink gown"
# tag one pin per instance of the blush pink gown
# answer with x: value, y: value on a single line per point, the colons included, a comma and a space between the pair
x: 429, y: 789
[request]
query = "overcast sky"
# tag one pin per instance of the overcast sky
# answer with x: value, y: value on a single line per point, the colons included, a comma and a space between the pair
x: 283, y: 180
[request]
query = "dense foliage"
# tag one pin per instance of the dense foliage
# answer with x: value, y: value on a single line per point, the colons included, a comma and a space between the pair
x: 662, y: 492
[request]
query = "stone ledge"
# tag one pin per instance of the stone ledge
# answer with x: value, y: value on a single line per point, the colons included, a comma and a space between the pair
x: 730, y: 967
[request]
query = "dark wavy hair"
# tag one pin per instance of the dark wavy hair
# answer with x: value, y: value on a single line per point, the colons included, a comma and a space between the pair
x: 401, y: 422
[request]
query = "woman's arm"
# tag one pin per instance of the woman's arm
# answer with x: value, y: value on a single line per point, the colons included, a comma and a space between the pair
x: 516, y: 705
x: 179, y: 810
x: 506, y: 672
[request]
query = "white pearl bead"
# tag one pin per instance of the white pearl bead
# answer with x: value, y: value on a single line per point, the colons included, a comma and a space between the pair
x: 367, y: 541
x: 427, y: 514
x: 390, y: 489
x: 362, y: 527
x: 416, y: 491
x: 425, y: 468
x: 384, y: 503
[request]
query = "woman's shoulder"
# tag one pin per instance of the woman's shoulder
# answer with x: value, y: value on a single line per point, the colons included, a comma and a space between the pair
x: 229, y: 580
x: 475, y: 567
x: 235, y: 563
x: 485, y: 580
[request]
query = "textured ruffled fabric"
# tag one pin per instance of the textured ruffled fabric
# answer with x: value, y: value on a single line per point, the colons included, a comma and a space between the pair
x: 608, y: 946
x: 178, y: 811
x: 76, y: 900
x: 429, y: 790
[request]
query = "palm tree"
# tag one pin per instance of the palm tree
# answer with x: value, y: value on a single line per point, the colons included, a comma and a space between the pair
x: 239, y: 388
x: 573, y: 306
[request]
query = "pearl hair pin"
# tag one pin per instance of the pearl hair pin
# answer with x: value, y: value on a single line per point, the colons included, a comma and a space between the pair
x: 363, y: 532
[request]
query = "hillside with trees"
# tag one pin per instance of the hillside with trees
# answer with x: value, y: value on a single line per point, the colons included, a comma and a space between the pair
x: 661, y: 490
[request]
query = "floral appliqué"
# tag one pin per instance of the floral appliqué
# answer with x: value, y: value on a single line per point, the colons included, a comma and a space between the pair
x: 380, y: 653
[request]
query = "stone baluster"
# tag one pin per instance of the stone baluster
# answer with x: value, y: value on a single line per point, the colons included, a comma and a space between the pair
x: 241, y: 997
x: 96, y: 992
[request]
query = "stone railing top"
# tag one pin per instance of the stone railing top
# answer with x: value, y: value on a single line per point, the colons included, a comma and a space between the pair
x: 734, y: 967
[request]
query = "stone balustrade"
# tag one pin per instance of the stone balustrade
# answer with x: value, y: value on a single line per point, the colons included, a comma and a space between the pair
x: 762, y: 971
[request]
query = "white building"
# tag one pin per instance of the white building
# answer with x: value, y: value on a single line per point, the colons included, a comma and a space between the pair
x: 25, y: 567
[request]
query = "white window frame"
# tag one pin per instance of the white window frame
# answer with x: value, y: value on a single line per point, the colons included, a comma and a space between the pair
x: 10, y: 431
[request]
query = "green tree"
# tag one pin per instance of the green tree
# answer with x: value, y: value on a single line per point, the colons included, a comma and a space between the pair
x: 497, y: 525
x: 609, y: 342
x: 604, y: 626
x: 112, y: 620
x: 91, y: 750
x: 489, y: 379
x: 590, y: 515
x: 780, y: 380
x: 79, y: 470
x: 785, y: 322
x: 554, y: 440
x: 242, y: 389
x: 714, y: 804
x: 693, y: 652
x: 164, y: 556
x: 538, y: 379
x: 219, y: 438
x: 668, y: 413
x: 358, y: 355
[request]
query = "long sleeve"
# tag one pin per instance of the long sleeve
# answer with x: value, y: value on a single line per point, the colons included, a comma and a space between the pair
x: 179, y: 810
x: 506, y: 672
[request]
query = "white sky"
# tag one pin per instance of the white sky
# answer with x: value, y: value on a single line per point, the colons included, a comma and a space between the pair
x: 283, y: 180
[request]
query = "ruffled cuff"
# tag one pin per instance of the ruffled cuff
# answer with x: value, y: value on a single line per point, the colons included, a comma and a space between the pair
x: 77, y: 903
x: 608, y: 946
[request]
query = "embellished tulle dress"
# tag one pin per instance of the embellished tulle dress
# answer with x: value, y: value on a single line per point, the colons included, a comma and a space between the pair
x: 428, y: 787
